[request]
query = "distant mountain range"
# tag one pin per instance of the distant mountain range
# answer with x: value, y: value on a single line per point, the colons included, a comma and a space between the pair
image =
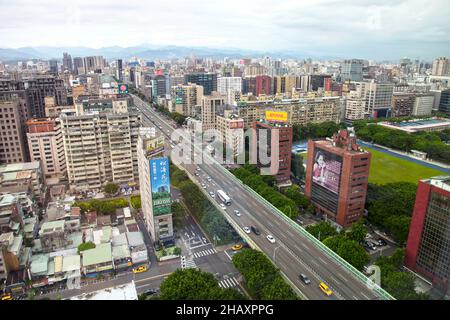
x: 148, y: 52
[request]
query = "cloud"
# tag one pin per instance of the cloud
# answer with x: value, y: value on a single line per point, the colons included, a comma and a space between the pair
x: 354, y: 28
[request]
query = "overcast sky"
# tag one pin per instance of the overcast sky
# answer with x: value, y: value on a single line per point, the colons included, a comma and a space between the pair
x: 346, y: 28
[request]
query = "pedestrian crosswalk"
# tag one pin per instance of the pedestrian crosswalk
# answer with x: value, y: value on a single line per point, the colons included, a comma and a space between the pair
x: 206, y: 252
x: 228, y: 283
x: 187, y: 263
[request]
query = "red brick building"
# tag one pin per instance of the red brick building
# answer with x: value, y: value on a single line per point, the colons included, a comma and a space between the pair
x: 428, y: 246
x: 337, y: 173
x: 279, y: 136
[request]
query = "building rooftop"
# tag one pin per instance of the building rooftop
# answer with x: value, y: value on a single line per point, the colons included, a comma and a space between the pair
x: 418, y: 124
x: 135, y: 239
x: 51, y: 226
x: 121, y: 292
x: 442, y: 182
x: 14, y: 167
x: 39, y: 264
x: 71, y: 263
x: 100, y: 254
x: 121, y: 252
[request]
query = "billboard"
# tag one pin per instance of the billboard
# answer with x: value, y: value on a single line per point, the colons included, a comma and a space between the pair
x: 238, y: 124
x: 123, y: 89
x: 327, y: 170
x: 278, y: 116
x: 154, y: 145
x: 160, y: 186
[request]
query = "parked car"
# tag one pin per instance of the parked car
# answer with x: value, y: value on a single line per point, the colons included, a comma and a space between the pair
x: 237, y: 247
x: 140, y: 269
x: 381, y: 242
x: 149, y: 292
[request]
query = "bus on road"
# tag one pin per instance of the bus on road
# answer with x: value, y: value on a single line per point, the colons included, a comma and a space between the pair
x: 224, y: 197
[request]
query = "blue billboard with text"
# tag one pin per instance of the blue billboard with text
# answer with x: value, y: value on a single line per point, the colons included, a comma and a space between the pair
x: 160, y: 186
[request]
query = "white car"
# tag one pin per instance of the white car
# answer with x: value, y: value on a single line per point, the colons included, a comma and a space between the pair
x: 247, y: 230
x: 212, y: 194
x: 223, y: 206
x: 209, y: 179
x: 270, y: 238
x: 237, y: 213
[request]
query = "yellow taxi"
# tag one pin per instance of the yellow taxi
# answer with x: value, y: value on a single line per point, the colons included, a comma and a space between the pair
x: 237, y: 247
x: 7, y: 297
x: 140, y: 269
x: 325, y: 289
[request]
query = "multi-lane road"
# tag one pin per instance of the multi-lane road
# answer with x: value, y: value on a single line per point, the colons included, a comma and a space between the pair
x: 292, y: 252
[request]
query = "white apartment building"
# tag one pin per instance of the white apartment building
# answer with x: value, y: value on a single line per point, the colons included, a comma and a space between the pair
x: 45, y: 144
x: 378, y: 97
x: 100, y: 147
x: 209, y: 110
x: 354, y: 106
x: 226, y: 85
x: 158, y: 222
x: 232, y: 130
x: 441, y: 67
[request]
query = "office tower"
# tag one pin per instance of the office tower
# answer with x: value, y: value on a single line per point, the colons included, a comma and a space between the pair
x: 444, y: 102
x: 154, y: 181
x: 263, y: 85
x: 53, y: 66
x: 352, y: 70
x: 428, y: 246
x: 337, y: 175
x: 279, y: 137
x: 378, y: 98
x: 78, y: 65
x: 226, y: 85
x: 402, y: 104
x: 284, y: 84
x: 93, y: 63
x: 67, y: 62
x: 45, y: 144
x: 159, y: 85
x: 441, y: 67
x: 100, y: 147
x: 12, y: 138
x: 119, y: 71
x: 328, y: 84
x: 423, y: 104
x: 207, y: 80
x: 318, y: 81
x: 185, y: 98
x: 209, y: 109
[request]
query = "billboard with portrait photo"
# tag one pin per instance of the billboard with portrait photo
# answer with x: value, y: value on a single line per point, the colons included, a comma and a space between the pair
x: 327, y: 170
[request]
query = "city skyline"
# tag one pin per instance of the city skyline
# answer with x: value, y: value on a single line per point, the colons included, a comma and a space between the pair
x: 363, y: 29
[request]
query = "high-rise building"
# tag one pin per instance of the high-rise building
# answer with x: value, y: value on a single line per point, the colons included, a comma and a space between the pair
x: 185, y: 98
x: 45, y: 144
x: 207, y: 80
x: 78, y: 65
x: 209, y: 109
x: 12, y: 139
x: 154, y: 181
x: 279, y: 137
x: 100, y: 147
x: 284, y: 84
x: 119, y: 70
x: 402, y: 104
x: 441, y: 67
x: 337, y: 175
x: 232, y: 130
x: 67, y: 62
x: 428, y: 246
x: 225, y: 85
x: 53, y: 66
x: 352, y: 70
x: 444, y: 102
x: 318, y: 81
x: 378, y: 98
x: 423, y: 104
x: 354, y: 106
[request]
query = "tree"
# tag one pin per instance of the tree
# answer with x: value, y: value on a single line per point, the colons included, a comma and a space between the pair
x: 85, y: 246
x: 322, y: 230
x: 357, y: 232
x: 136, y: 202
x: 350, y: 250
x: 192, y: 284
x: 297, y: 168
x: 111, y: 188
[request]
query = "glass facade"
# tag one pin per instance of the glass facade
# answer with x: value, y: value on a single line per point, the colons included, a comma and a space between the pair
x: 434, y: 250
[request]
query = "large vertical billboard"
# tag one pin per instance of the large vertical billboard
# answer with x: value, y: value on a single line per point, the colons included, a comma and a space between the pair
x: 327, y: 170
x: 160, y: 186
x: 326, y: 177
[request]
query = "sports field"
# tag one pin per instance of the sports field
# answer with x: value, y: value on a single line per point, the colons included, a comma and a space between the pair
x: 385, y: 168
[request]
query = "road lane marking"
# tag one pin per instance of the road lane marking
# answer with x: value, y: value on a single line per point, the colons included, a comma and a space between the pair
x: 365, y: 296
x: 154, y: 277
x: 323, y: 261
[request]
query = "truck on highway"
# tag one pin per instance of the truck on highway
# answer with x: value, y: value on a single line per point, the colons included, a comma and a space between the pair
x: 224, y: 197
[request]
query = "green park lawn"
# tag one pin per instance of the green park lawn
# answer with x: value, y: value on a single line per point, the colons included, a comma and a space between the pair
x: 386, y: 168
